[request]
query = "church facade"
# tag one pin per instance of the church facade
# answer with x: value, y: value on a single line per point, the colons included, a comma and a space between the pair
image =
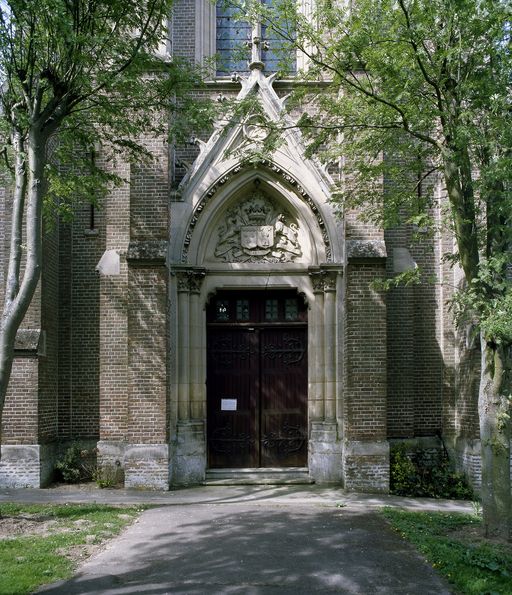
x: 215, y: 320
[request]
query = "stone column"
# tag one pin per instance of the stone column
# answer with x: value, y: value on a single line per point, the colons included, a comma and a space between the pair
x: 183, y: 346
x: 197, y: 388
x: 330, y: 346
x: 189, y: 457
x: 316, y: 380
x: 325, y: 448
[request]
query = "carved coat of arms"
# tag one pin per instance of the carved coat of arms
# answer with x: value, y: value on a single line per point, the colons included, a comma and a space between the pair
x: 256, y: 231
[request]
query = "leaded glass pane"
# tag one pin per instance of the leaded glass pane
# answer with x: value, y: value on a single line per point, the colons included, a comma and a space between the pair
x: 232, y: 37
x: 233, y: 42
x: 280, y: 55
x: 242, y: 309
x: 271, y: 310
x: 291, y: 309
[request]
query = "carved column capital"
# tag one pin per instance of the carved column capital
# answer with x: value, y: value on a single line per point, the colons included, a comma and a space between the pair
x: 330, y: 279
x: 317, y: 280
x: 182, y: 281
x: 195, y: 280
x: 189, y: 280
x: 323, y: 279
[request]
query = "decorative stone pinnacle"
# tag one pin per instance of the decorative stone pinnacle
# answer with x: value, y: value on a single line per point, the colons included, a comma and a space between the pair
x: 257, y: 45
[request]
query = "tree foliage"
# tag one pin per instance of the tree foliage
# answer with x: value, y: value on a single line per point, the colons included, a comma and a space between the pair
x: 77, y: 75
x: 416, y: 94
x: 87, y: 73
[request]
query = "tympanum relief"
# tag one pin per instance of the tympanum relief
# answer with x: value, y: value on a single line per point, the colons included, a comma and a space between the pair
x: 257, y: 230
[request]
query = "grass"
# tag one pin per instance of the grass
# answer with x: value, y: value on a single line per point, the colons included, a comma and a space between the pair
x: 451, y: 543
x: 31, y: 560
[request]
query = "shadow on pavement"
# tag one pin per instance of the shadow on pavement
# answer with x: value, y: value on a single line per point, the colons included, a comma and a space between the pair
x: 243, y: 549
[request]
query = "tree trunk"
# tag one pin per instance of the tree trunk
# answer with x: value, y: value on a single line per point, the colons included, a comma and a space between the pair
x: 493, y: 408
x: 19, y: 295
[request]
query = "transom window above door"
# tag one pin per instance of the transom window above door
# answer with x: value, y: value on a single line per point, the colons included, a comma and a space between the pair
x: 257, y: 307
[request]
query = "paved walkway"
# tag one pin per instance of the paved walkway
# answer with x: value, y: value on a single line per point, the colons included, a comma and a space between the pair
x: 256, y: 495
x: 251, y: 540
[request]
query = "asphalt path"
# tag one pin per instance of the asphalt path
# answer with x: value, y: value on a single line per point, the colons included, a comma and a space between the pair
x: 272, y: 546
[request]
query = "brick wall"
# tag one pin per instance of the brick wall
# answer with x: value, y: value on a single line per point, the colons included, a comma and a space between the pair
x: 365, y: 354
x: 49, y: 342
x: 447, y: 334
x: 428, y: 358
x: 20, y: 417
x: 357, y: 229
x: 149, y: 191
x: 183, y: 21
x: 147, y: 355
x: 113, y: 323
x: 147, y: 300
x: 400, y: 333
x: 79, y: 339
x: 3, y: 243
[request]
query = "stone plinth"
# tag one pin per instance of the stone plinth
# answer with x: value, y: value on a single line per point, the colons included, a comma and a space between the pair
x: 325, y: 453
x: 366, y: 466
x: 189, y: 459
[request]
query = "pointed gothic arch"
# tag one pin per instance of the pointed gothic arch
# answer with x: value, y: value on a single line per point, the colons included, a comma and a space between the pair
x: 194, y: 215
x: 252, y: 230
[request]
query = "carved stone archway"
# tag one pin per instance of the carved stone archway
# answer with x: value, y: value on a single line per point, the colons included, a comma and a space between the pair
x: 255, y: 233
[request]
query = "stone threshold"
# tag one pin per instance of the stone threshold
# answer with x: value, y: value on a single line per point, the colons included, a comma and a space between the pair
x: 258, y: 476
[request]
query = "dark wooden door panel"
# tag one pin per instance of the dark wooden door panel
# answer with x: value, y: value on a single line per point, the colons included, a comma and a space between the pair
x: 283, y: 397
x: 232, y: 398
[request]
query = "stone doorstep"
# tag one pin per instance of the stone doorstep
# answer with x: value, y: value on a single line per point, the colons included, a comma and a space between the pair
x: 258, y: 476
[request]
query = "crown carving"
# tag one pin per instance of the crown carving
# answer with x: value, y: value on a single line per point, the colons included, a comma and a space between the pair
x: 257, y: 209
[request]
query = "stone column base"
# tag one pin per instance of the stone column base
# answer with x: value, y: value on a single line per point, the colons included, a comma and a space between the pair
x: 189, y: 459
x: 325, y: 453
x: 26, y: 465
x: 366, y: 466
x: 146, y: 466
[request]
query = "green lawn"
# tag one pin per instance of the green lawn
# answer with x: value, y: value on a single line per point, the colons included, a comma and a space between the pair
x: 67, y: 531
x: 452, y: 544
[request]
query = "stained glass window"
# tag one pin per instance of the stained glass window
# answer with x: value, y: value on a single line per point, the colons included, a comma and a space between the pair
x: 232, y: 37
x: 233, y: 41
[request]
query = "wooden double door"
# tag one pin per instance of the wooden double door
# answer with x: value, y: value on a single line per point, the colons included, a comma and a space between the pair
x: 257, y: 380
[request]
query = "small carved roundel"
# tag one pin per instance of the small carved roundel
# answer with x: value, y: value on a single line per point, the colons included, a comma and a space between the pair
x: 255, y: 129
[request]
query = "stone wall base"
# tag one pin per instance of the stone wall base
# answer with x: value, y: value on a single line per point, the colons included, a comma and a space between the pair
x: 27, y: 465
x: 189, y: 457
x: 325, y: 453
x: 366, y: 466
x: 467, y: 455
x: 111, y: 453
x: 465, y: 452
x: 111, y: 460
x: 146, y: 466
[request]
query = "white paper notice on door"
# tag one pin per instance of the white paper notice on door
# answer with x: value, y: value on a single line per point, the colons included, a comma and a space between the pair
x: 228, y: 404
